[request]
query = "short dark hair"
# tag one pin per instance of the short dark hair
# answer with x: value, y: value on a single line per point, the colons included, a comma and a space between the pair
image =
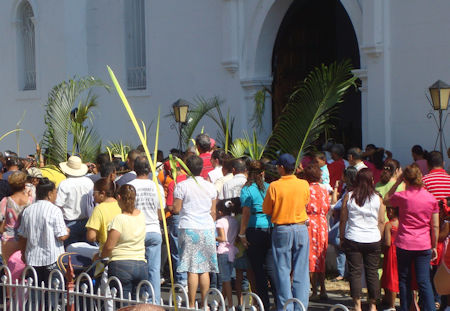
x: 133, y: 154
x: 107, y: 169
x: 141, y: 166
x: 218, y: 155
x: 105, y: 185
x: 12, y: 161
x: 321, y: 155
x: 355, y: 152
x: 195, y: 164
x: 435, y: 159
x: 312, y: 173
x: 239, y: 166
x: 102, y: 159
x: 203, y: 142
x: 338, y: 149
x: 43, y: 188
x: 417, y: 149
x: 227, y: 163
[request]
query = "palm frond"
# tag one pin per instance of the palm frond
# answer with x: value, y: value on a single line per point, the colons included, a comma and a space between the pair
x: 87, y: 142
x: 239, y: 148
x: 201, y: 108
x: 61, y: 100
x: 310, y: 108
x: 259, y: 98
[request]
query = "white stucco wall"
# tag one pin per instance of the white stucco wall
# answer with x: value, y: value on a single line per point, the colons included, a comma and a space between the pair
x: 223, y: 48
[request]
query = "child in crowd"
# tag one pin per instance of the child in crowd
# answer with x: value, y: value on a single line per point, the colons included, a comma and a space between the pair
x: 389, y: 279
x: 227, y: 229
x: 321, y: 159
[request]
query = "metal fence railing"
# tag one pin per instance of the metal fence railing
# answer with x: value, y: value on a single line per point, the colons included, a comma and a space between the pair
x: 82, y: 294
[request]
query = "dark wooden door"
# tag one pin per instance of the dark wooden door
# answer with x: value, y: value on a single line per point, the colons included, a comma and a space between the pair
x: 315, y: 32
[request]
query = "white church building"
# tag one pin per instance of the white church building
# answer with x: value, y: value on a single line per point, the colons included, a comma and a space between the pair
x: 163, y: 50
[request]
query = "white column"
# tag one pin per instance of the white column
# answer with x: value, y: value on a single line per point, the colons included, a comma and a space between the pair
x: 75, y: 31
x: 251, y: 86
x: 230, y: 35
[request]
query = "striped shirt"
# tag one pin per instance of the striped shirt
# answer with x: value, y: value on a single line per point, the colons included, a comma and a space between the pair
x: 437, y: 182
x: 42, y: 223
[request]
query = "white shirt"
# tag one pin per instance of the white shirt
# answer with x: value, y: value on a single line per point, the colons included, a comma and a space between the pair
x: 219, y: 182
x: 362, y: 221
x: 215, y: 174
x: 197, y: 195
x: 360, y: 165
x: 42, y: 223
x: 233, y: 187
x: 74, y: 197
x: 147, y: 201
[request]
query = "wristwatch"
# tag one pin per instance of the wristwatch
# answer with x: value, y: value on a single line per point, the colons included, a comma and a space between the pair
x: 241, y: 235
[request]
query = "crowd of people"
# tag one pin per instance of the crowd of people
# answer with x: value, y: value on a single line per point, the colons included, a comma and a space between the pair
x: 265, y: 223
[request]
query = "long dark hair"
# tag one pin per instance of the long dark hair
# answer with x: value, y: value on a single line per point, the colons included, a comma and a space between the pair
x: 389, y: 168
x: 255, y: 168
x: 363, y: 188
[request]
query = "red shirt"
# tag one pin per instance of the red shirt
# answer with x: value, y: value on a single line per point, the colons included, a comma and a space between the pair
x: 207, y: 166
x: 336, y: 170
x: 437, y: 182
x: 171, y: 188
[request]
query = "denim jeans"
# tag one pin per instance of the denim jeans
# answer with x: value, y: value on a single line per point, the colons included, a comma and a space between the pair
x: 77, y: 231
x: 340, y: 261
x: 153, y: 242
x: 130, y: 273
x: 290, y: 247
x: 421, y: 260
x: 172, y: 223
x: 260, y: 244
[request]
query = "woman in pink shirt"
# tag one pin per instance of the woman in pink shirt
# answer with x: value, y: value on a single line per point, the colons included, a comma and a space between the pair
x: 418, y: 215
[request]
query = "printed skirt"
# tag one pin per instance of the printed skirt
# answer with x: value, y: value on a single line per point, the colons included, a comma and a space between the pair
x: 197, y: 251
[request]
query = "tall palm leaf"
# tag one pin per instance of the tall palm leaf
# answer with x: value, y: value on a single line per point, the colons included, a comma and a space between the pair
x: 225, y: 124
x: 61, y: 101
x: 202, y: 107
x: 310, y: 109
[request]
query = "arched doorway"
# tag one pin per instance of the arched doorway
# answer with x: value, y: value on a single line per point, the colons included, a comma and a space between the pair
x: 315, y: 32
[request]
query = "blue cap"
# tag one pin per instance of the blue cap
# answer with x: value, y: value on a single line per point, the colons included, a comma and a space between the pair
x: 287, y: 161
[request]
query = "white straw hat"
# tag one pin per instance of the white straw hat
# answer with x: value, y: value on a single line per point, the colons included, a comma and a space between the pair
x: 74, y: 167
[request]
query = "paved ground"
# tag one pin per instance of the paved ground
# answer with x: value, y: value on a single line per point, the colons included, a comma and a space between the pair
x: 338, y: 293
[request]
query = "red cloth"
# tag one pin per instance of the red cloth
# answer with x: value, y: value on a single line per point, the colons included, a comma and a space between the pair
x: 389, y: 279
x: 171, y: 188
x: 317, y: 210
x: 336, y: 170
x: 375, y: 172
x: 207, y: 166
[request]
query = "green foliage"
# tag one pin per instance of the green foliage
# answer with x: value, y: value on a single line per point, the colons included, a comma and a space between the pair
x: 309, y: 109
x: 248, y: 146
x: 259, y: 98
x: 118, y: 148
x: 211, y: 108
x: 61, y: 100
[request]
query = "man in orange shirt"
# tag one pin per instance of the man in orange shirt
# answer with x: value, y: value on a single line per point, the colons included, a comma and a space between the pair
x: 285, y: 202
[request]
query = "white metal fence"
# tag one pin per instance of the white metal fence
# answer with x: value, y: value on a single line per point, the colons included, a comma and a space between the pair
x: 83, y: 294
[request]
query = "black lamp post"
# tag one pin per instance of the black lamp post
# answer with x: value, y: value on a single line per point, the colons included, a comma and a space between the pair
x: 180, y: 111
x: 440, y: 93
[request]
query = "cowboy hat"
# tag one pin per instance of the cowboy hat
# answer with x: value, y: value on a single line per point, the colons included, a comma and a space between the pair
x: 74, y: 167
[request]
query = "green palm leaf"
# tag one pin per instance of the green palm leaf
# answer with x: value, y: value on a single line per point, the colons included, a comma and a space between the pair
x: 61, y: 101
x: 310, y: 109
x: 202, y: 107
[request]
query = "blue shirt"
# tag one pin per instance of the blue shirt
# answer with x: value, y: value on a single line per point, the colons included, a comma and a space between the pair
x: 325, y: 175
x: 252, y: 197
